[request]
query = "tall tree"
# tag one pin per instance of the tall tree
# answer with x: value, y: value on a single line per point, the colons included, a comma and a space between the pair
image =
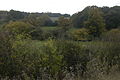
x: 18, y: 27
x: 39, y: 20
x: 16, y: 15
x: 79, y: 18
x: 95, y: 23
x: 112, y: 17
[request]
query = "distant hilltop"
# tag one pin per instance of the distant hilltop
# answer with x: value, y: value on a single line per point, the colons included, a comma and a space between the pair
x: 18, y: 15
x: 53, y: 16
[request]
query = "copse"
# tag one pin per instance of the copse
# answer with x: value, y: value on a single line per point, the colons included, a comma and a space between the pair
x: 95, y: 22
x: 111, y: 16
x: 81, y: 35
x: 38, y: 20
x: 14, y: 15
x: 64, y: 23
x: 18, y: 27
x: 79, y: 18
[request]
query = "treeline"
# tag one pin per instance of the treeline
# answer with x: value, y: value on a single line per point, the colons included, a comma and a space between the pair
x: 13, y: 15
x: 92, y: 23
x: 111, y: 16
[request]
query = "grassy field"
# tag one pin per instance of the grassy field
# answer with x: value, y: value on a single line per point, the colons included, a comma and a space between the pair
x: 46, y: 28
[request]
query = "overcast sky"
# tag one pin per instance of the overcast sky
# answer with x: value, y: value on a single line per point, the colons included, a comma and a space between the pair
x: 61, y: 6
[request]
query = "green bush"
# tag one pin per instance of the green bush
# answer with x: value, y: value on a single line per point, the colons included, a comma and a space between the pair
x: 23, y: 58
x: 18, y: 27
x: 81, y: 35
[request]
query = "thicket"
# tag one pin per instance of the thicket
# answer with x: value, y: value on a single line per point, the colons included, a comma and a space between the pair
x: 57, y: 59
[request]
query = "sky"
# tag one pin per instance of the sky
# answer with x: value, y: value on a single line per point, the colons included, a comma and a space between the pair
x: 55, y: 6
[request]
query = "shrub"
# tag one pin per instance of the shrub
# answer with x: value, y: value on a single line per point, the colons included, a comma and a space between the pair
x: 81, y: 35
x: 18, y: 27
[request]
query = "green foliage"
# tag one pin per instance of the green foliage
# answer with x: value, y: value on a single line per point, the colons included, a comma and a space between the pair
x: 53, y: 60
x: 45, y: 28
x: 62, y: 22
x: 111, y: 15
x: 37, y: 34
x: 95, y: 23
x: 19, y: 58
x: 112, y: 35
x: 79, y: 18
x: 81, y: 34
x: 38, y: 20
x: 15, y: 15
x: 74, y: 55
x: 5, y: 53
x: 29, y: 58
x: 18, y: 27
x: 24, y: 57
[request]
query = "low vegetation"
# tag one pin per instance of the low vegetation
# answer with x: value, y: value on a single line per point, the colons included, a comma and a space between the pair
x: 31, y: 51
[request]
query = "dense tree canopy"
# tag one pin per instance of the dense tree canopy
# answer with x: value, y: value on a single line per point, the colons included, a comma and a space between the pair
x: 95, y: 23
x: 13, y: 15
x: 111, y: 15
x: 18, y: 27
x: 79, y: 18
